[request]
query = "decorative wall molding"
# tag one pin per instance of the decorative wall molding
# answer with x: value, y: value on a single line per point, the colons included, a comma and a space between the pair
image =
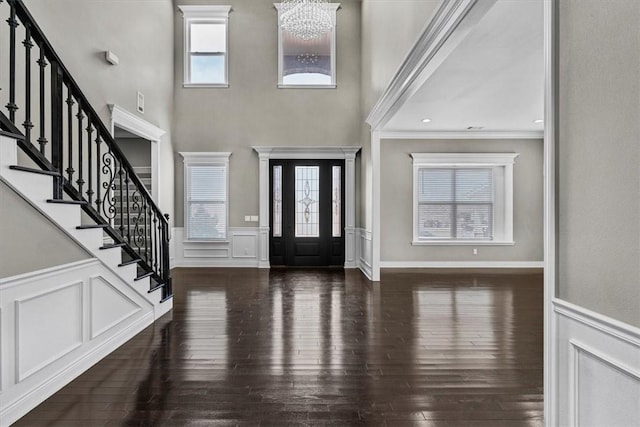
x: 240, y: 250
x: 462, y: 264
x: 461, y: 135
x: 48, y: 338
x: 598, y: 366
x: 364, y: 252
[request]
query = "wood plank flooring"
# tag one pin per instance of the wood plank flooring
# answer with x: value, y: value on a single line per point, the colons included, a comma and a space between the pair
x: 323, y: 347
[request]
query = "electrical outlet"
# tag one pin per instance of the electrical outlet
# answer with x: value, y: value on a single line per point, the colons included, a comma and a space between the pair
x: 475, y: 251
x: 246, y: 251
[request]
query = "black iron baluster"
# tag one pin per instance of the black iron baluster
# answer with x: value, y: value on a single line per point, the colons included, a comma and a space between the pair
x: 80, y: 117
x: 155, y: 246
x: 146, y: 229
x: 89, y: 162
x: 98, y: 171
x: 126, y: 181
x: 120, y: 173
x: 70, y: 103
x: 42, y: 62
x: 57, y: 151
x: 28, y: 44
x: 13, y: 24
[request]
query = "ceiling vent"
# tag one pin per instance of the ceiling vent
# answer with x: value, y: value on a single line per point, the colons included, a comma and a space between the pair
x: 475, y: 127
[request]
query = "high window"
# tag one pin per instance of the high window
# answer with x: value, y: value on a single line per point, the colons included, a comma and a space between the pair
x: 206, y: 45
x: 206, y: 205
x: 463, y: 198
x: 307, y: 63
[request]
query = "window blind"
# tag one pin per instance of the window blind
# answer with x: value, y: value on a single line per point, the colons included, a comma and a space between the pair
x: 455, y: 203
x: 207, y: 202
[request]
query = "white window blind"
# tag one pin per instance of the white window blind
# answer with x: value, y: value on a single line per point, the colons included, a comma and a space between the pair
x: 206, y: 202
x: 455, y: 203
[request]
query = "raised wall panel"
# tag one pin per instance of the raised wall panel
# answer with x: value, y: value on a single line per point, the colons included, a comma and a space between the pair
x: 109, y: 306
x: 244, y: 245
x: 48, y: 326
x: 605, y: 392
x: 206, y: 252
x: 598, y: 369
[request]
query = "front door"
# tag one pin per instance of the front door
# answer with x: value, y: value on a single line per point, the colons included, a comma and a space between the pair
x: 307, y: 212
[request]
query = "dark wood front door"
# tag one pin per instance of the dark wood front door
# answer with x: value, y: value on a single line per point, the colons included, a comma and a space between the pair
x: 307, y: 212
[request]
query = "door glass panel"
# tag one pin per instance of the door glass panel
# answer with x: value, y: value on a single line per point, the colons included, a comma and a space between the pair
x: 336, y: 198
x: 277, y: 201
x: 307, y: 201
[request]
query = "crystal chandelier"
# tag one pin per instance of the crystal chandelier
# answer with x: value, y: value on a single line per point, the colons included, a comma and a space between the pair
x: 305, y: 19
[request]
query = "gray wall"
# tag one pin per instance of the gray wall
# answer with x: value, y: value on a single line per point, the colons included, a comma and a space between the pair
x: 253, y: 111
x: 397, y: 201
x: 599, y: 157
x: 390, y: 29
x: 43, y: 246
x: 140, y: 33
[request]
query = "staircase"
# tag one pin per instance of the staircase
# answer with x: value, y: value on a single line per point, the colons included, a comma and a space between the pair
x: 70, y: 167
x: 56, y: 153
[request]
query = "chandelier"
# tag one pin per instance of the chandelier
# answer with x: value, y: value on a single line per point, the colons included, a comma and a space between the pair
x: 305, y: 19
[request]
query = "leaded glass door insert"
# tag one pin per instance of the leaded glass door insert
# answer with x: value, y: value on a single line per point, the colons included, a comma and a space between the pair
x: 307, y: 213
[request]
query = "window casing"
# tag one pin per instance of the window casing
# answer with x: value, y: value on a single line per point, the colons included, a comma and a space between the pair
x: 206, y: 196
x: 307, y: 64
x: 206, y: 42
x: 463, y: 198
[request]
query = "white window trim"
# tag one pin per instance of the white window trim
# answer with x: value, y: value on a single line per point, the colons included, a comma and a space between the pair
x: 205, y: 13
x: 209, y: 159
x: 504, y: 234
x: 333, y: 8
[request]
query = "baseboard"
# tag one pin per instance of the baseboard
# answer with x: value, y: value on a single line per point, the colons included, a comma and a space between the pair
x: 38, y: 394
x: 223, y: 263
x: 462, y: 264
x: 597, y: 365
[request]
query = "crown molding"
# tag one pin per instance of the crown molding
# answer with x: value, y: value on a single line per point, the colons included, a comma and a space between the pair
x: 450, y: 24
x: 205, y: 11
x: 472, y: 134
x: 324, y: 152
x: 134, y: 124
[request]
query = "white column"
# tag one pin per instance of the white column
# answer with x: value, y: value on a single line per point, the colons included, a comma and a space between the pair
x: 350, y: 210
x: 263, y: 236
x: 375, y: 232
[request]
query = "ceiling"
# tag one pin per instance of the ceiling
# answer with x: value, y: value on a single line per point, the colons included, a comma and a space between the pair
x: 494, y: 79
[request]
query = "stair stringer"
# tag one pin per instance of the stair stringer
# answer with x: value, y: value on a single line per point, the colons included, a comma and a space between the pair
x: 36, y: 189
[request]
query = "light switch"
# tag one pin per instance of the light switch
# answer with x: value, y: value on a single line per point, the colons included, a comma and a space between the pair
x: 254, y: 218
x: 247, y: 218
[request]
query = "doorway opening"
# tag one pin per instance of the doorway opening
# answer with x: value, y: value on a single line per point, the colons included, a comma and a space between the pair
x: 307, y: 212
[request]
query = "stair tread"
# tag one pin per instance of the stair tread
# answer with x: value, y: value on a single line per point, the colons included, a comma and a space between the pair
x: 113, y: 245
x: 144, y: 276
x: 133, y: 261
x: 33, y: 170
x: 156, y: 287
x: 90, y: 226
x: 67, y: 202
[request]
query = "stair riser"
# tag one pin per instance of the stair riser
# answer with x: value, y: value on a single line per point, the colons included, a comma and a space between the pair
x: 34, y: 186
x: 90, y: 238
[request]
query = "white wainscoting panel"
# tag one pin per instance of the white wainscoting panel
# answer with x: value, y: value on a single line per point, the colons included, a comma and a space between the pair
x: 48, y: 326
x: 56, y: 323
x: 109, y: 306
x: 240, y: 250
x: 598, y: 366
x: 364, y: 252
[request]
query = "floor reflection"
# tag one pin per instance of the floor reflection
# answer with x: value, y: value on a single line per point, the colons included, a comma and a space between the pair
x: 324, y: 346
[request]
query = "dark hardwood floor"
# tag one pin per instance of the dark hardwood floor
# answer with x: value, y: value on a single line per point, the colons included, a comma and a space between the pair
x: 323, y: 347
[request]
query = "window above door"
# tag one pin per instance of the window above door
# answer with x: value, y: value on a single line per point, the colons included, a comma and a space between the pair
x: 307, y: 63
